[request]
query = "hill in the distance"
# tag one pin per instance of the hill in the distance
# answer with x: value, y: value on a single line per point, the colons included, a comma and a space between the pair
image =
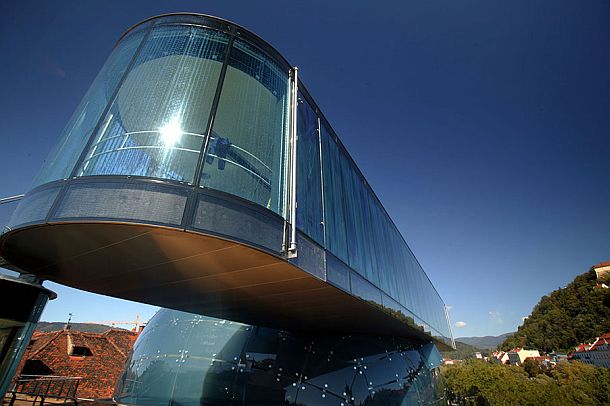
x: 486, y: 342
x: 463, y: 351
x: 47, y: 326
x: 575, y: 314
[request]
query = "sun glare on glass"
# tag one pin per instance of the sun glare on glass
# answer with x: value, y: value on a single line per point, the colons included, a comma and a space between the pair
x: 171, y: 132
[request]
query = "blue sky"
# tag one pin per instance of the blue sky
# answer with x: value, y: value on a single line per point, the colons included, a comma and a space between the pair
x: 483, y: 126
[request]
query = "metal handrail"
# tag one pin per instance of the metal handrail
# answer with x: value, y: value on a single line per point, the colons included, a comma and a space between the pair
x: 95, y: 155
x: 127, y: 134
x: 45, y: 386
x: 256, y: 175
x: 246, y: 152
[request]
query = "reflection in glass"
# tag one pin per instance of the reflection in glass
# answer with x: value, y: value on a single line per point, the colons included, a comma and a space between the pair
x: 361, y: 234
x: 247, y: 147
x: 156, y: 124
x: 187, y: 359
x: 335, y: 215
x: 75, y: 135
x: 309, y: 182
x: 337, y: 272
x: 150, y: 108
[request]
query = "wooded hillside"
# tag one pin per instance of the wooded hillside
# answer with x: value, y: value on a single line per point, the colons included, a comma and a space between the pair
x: 578, y: 313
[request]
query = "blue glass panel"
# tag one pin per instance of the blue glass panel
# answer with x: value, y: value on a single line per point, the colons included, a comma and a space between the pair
x: 334, y: 214
x: 309, y: 182
x: 358, y: 255
x: 380, y: 245
x: 246, y: 154
x: 352, y: 213
x: 363, y: 289
x: 372, y: 267
x: 156, y: 125
x: 360, y: 233
x: 337, y: 272
x: 63, y: 157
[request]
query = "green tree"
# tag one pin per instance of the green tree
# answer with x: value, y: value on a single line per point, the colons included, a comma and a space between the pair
x: 534, y: 368
x: 560, y: 321
x: 477, y: 382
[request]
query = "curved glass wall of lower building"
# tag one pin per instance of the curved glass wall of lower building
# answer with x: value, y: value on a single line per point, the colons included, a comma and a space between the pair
x: 186, y: 359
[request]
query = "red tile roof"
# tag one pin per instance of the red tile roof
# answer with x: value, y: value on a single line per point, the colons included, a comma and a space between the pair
x: 602, y: 264
x: 602, y: 340
x: 582, y: 347
x: 100, y: 370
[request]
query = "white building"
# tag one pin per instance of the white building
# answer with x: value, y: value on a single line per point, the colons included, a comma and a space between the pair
x: 518, y: 355
x: 500, y: 356
x: 602, y: 270
x: 597, y: 354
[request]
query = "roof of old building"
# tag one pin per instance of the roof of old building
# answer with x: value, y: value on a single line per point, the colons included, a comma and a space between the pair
x: 604, y: 339
x: 96, y: 357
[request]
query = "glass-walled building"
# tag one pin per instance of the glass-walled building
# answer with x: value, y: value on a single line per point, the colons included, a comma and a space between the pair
x: 199, y: 174
x: 187, y: 359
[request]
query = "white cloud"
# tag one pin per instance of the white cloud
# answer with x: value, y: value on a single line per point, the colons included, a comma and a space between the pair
x: 496, y: 316
x: 460, y: 324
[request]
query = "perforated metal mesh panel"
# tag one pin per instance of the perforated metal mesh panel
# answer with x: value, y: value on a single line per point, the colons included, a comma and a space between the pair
x: 123, y: 201
x: 34, y: 207
x: 238, y: 221
x: 310, y: 257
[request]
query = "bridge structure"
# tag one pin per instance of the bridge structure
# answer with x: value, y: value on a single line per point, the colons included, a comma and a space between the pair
x: 199, y: 174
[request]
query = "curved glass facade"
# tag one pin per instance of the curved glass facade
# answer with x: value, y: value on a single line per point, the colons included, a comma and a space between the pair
x: 186, y: 359
x: 159, y: 120
x: 202, y: 106
x: 246, y: 151
x: 84, y: 121
x: 156, y: 124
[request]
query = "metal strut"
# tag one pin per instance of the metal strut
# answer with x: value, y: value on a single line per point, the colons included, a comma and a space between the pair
x: 292, y: 247
x: 11, y: 199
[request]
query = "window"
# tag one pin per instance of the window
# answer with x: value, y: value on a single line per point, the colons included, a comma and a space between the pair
x: 335, y: 216
x: 247, y: 149
x: 157, y: 122
x: 81, y: 351
x: 77, y: 132
x: 309, y: 182
x: 36, y: 367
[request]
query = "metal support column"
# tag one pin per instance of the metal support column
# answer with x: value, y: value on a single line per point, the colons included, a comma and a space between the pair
x: 292, y: 246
